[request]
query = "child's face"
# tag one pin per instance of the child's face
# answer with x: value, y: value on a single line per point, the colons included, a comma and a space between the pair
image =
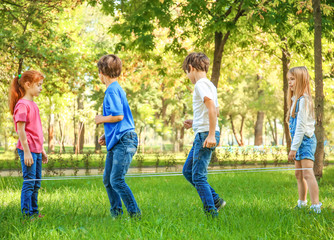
x: 101, y: 77
x: 291, y: 82
x: 190, y: 74
x: 34, y: 89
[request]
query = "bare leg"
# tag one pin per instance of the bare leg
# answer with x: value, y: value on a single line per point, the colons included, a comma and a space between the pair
x: 302, y: 185
x: 310, y: 180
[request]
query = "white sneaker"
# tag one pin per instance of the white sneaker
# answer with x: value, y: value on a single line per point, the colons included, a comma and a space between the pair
x: 301, y: 204
x: 316, y: 207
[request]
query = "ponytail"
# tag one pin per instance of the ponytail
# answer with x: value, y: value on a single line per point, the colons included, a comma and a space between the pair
x: 15, y: 93
x: 17, y: 90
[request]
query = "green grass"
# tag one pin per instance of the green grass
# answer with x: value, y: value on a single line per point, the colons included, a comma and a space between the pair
x: 259, y: 206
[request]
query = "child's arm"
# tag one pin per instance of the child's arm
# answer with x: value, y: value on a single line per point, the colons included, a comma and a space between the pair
x: 188, y: 123
x: 108, y: 119
x: 210, y: 141
x: 44, y: 157
x: 102, y: 140
x: 28, y: 160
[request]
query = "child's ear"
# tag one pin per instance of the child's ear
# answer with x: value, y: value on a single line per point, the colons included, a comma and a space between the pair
x: 191, y: 68
x: 27, y: 84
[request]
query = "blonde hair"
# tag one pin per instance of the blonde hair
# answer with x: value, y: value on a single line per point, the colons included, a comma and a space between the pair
x: 302, y: 89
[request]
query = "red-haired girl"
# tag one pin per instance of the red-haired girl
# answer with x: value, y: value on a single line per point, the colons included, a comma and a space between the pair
x: 29, y: 128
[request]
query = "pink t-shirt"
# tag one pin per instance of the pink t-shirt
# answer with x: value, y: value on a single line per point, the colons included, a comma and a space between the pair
x: 28, y: 112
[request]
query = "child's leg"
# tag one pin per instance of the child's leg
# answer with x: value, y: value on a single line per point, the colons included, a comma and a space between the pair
x: 188, y: 172
x: 28, y: 186
x: 114, y: 198
x: 302, y: 186
x: 122, y: 155
x: 311, y: 181
x: 37, y: 184
x: 187, y: 167
x: 201, y: 160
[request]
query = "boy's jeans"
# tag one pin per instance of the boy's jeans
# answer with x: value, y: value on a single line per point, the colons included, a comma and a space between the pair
x: 195, y: 170
x: 117, y: 163
x: 29, y: 193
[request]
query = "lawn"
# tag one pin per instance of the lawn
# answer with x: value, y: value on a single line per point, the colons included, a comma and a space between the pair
x: 259, y: 206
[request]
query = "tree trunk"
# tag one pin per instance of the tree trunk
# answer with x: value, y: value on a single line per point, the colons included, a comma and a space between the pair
x: 140, y: 140
x: 181, y: 141
x: 97, y: 136
x: 74, y: 130
x: 221, y: 137
x: 51, y: 145
x: 273, y: 130
x: 220, y: 42
x: 258, y: 128
x: 181, y: 146
x: 20, y: 66
x: 61, y: 146
x: 240, y: 140
x: 81, y: 124
x: 258, y: 133
x: 319, y: 92
x: 286, y: 65
x: 176, y: 140
x: 6, y: 141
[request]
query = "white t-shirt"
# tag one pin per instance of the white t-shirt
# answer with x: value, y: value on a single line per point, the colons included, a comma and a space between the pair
x: 305, y: 122
x: 203, y: 88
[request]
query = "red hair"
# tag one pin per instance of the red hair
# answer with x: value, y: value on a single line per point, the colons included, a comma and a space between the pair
x: 17, y: 90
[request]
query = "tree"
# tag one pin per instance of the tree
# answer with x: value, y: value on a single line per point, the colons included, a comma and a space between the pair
x: 209, y: 22
x: 319, y: 94
x: 32, y: 40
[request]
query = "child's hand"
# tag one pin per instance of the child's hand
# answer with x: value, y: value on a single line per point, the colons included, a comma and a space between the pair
x: 292, y: 155
x: 98, y: 119
x: 28, y: 160
x: 102, y: 140
x: 210, y: 141
x: 188, y: 123
x: 44, y: 157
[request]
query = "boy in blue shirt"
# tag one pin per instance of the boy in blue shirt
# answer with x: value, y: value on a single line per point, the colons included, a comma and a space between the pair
x: 120, y: 138
x: 205, y: 126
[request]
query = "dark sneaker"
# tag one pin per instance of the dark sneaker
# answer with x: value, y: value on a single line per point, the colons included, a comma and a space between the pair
x: 219, y: 203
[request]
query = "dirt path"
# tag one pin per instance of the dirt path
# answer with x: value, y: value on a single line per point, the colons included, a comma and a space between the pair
x: 132, y: 170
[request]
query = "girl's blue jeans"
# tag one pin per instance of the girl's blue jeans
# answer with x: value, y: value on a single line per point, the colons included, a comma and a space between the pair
x: 117, y: 164
x: 29, y: 193
x: 195, y: 171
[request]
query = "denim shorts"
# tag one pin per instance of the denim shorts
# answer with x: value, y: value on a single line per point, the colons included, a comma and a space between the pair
x: 307, y: 148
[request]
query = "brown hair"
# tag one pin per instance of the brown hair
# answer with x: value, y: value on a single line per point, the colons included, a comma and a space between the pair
x: 17, y: 90
x: 110, y: 65
x: 302, y: 89
x: 197, y: 60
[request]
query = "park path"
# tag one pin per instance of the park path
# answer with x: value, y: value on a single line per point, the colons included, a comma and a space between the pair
x: 132, y: 170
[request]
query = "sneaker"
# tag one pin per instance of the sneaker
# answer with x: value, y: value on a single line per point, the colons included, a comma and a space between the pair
x: 219, y: 203
x: 316, y: 207
x: 301, y: 204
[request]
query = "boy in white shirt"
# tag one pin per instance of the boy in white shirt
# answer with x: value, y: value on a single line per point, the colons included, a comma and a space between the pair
x: 205, y: 126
